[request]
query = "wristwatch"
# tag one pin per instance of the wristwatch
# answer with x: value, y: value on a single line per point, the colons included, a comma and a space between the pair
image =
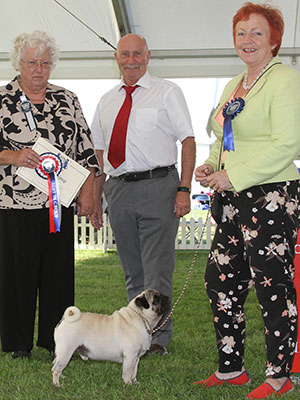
x: 184, y: 189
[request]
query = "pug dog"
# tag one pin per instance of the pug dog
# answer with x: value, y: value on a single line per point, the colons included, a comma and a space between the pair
x: 123, y: 336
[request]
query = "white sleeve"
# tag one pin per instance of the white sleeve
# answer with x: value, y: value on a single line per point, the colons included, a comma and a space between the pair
x: 96, y: 130
x: 179, y: 113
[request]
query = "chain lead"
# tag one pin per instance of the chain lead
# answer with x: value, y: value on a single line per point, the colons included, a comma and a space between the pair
x: 189, y: 272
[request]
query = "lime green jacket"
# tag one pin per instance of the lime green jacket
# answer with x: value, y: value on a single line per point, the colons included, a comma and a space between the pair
x: 267, y: 131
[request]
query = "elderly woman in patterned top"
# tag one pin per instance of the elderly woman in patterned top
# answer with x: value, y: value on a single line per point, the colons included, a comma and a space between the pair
x: 33, y: 260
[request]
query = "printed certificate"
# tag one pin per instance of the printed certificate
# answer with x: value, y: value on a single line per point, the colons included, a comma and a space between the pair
x: 70, y: 178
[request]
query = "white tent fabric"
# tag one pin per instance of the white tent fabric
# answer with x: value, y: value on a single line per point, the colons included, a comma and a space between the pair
x: 81, y: 50
x: 188, y: 38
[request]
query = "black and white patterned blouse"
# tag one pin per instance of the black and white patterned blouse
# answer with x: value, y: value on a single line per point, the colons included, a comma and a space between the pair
x: 61, y: 122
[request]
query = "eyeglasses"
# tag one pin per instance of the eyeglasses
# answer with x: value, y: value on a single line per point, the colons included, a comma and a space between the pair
x: 33, y: 64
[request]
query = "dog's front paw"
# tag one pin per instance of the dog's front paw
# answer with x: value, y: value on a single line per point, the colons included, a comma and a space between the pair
x: 131, y: 381
x: 56, y: 378
x: 56, y: 382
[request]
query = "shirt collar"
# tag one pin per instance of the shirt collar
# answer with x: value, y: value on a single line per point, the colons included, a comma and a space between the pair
x: 144, y: 81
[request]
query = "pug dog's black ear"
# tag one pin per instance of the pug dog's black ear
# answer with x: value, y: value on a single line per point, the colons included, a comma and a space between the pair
x: 142, y: 302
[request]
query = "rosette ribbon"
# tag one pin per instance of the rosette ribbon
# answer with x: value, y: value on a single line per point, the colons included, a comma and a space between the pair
x: 230, y: 110
x: 26, y: 108
x: 54, y: 204
x: 49, y: 168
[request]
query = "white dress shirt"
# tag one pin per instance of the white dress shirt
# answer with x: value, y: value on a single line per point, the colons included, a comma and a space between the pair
x: 159, y: 117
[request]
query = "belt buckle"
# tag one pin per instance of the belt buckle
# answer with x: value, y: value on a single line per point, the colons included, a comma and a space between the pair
x: 123, y: 177
x: 130, y: 177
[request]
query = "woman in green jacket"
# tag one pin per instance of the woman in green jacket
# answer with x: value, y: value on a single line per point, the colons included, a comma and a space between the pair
x: 251, y: 167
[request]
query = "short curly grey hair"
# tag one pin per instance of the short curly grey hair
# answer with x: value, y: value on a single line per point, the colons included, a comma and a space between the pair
x: 35, y: 39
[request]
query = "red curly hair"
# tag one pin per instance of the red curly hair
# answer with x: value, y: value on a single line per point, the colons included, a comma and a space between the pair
x: 270, y: 13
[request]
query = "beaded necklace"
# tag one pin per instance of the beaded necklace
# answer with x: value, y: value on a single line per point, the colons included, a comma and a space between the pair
x: 248, y: 87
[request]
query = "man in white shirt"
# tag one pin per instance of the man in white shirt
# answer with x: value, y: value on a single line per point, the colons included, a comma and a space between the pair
x: 145, y: 196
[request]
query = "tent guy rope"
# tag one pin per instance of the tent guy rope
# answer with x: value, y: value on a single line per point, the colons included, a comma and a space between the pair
x: 83, y: 23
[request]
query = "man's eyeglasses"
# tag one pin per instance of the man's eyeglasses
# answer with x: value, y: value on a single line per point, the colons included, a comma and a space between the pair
x: 33, y: 64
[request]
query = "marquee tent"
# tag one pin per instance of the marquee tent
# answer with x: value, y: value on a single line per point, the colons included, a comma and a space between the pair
x: 188, y: 38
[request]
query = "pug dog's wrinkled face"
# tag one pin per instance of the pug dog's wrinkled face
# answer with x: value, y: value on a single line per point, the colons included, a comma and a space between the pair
x: 153, y: 301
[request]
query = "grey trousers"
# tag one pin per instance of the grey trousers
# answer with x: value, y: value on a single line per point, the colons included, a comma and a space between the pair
x: 144, y: 224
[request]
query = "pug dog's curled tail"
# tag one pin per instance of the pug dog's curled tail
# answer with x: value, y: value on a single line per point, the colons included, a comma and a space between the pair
x: 72, y: 314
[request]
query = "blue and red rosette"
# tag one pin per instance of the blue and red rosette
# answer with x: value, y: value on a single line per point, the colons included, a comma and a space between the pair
x: 49, y: 168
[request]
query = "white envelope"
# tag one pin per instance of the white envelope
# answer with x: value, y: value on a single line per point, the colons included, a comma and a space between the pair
x: 71, y: 177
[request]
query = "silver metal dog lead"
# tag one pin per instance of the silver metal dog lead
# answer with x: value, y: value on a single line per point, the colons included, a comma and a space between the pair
x: 189, y: 272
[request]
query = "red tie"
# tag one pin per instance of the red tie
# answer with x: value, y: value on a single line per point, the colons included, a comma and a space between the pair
x: 116, y: 151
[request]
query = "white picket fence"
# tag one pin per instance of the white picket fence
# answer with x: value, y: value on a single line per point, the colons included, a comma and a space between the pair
x: 189, y: 233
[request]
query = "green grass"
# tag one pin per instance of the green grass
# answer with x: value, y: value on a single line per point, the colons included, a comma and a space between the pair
x: 192, y: 352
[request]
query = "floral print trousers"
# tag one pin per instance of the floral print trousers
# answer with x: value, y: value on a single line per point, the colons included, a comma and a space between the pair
x: 254, y: 244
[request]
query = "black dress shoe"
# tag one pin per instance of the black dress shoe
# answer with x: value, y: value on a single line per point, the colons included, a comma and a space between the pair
x: 21, y: 354
x: 157, y: 349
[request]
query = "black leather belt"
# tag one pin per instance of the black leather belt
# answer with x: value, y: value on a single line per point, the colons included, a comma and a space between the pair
x: 138, y: 176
